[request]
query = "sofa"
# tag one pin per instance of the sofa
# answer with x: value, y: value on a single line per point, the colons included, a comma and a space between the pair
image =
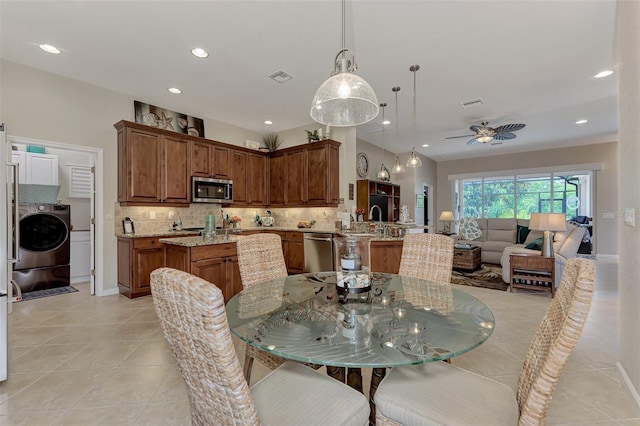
x: 502, y: 237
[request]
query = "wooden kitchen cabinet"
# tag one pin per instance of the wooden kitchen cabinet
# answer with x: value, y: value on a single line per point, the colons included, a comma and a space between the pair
x: 153, y: 167
x: 370, y: 192
x: 249, y: 174
x: 137, y: 258
x: 293, y: 250
x: 385, y: 256
x: 216, y: 263
x: 309, y: 175
x: 210, y: 160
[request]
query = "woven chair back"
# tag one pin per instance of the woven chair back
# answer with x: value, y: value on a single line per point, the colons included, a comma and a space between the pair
x: 260, y: 258
x: 428, y: 257
x: 554, y: 341
x: 194, y: 321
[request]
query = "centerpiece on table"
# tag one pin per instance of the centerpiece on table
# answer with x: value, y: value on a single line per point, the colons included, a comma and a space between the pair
x: 352, y: 268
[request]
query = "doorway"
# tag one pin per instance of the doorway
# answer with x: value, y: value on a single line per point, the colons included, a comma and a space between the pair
x: 93, y: 205
x: 428, y: 205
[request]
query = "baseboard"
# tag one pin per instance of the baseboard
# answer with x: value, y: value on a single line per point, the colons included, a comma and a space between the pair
x: 110, y: 292
x: 626, y: 383
x: 607, y: 256
x: 81, y: 279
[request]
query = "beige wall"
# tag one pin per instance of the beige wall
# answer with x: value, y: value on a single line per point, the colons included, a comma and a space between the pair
x: 606, y: 198
x: 629, y: 158
x: 44, y: 106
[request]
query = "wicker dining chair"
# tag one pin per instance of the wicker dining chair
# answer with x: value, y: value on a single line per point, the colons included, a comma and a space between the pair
x: 194, y: 321
x: 260, y: 259
x: 428, y: 257
x: 439, y: 393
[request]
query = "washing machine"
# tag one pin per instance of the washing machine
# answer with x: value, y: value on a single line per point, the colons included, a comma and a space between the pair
x: 44, y: 247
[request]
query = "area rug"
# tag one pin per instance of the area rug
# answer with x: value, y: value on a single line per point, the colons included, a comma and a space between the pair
x: 488, y: 276
x: 48, y: 292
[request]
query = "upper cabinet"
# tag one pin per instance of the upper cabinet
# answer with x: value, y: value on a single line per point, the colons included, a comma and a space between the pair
x: 153, y: 167
x: 209, y: 160
x: 36, y: 168
x: 307, y: 175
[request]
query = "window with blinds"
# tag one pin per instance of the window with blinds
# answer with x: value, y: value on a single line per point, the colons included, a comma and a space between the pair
x: 79, y: 181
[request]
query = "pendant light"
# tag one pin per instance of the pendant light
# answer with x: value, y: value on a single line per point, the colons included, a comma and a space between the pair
x: 414, y: 160
x: 344, y: 99
x: 397, y: 167
x: 383, y: 174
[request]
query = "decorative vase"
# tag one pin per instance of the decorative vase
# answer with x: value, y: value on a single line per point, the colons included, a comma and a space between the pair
x: 360, y: 218
x: 234, y: 224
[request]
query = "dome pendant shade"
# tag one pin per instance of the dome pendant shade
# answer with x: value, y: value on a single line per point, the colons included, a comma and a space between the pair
x: 397, y: 167
x: 382, y: 174
x: 344, y: 100
x: 414, y: 160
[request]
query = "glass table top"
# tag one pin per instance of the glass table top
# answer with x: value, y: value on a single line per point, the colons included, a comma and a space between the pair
x: 400, y: 321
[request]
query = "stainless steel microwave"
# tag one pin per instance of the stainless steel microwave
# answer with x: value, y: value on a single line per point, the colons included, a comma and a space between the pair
x: 206, y: 190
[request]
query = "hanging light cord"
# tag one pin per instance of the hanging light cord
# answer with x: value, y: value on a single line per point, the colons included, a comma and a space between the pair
x: 383, y: 105
x: 414, y: 68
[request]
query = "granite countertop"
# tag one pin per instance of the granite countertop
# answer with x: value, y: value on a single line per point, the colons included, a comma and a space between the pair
x: 157, y: 234
x: 198, y: 241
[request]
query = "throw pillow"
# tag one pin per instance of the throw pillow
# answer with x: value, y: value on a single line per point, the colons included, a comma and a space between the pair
x: 521, y: 234
x: 533, y: 235
x: 469, y: 229
x: 535, y: 244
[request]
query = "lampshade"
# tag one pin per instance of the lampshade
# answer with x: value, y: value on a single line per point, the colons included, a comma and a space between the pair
x: 445, y: 215
x: 344, y: 99
x: 414, y: 160
x: 383, y: 174
x: 548, y: 222
x: 397, y: 167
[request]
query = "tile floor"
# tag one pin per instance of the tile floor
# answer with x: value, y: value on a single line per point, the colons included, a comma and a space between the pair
x: 81, y: 360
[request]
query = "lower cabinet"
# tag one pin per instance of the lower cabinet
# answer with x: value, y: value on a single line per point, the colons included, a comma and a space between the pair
x: 293, y: 250
x: 385, y: 256
x: 216, y: 263
x: 137, y: 258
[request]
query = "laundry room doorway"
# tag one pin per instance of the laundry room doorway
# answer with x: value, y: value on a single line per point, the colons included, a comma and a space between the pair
x: 79, y: 176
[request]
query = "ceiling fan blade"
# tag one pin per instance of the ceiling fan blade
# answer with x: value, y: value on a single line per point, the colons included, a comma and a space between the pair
x: 456, y: 137
x: 504, y: 136
x: 472, y: 141
x: 476, y: 128
x: 510, y: 128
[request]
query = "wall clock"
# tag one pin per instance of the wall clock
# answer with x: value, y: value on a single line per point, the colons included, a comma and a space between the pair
x: 362, y: 165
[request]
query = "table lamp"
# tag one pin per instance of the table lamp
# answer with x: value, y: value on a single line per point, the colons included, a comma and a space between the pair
x: 447, y: 218
x: 548, y: 222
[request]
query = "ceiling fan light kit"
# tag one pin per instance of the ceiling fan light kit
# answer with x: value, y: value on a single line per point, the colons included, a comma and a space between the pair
x: 344, y: 99
x: 484, y: 133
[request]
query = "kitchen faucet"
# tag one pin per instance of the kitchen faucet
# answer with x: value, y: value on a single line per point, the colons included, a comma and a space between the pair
x: 379, y: 225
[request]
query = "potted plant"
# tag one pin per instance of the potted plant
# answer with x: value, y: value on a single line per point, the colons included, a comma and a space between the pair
x: 271, y: 141
x: 312, y: 136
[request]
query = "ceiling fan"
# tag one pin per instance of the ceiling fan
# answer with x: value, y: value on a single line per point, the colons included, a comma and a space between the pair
x: 484, y: 133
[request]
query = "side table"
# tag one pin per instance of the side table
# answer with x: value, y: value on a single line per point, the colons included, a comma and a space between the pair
x: 533, y: 272
x: 467, y: 259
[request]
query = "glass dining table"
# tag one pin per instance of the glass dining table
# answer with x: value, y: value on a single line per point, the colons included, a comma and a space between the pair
x: 399, y: 321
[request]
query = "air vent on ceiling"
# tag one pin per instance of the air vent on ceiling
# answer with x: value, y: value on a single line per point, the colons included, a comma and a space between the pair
x: 281, y: 76
x: 469, y: 104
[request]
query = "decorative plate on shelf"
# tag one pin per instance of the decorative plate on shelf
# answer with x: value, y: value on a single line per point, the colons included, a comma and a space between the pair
x: 362, y: 165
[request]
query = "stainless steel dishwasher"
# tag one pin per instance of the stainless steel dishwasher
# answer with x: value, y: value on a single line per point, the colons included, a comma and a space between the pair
x: 318, y: 252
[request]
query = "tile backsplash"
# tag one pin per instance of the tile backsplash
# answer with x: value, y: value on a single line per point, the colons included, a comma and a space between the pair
x: 193, y: 216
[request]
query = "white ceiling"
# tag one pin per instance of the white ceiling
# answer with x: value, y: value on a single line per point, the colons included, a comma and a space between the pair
x: 531, y: 62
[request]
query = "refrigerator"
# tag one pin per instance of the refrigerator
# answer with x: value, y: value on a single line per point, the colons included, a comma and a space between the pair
x: 8, y: 240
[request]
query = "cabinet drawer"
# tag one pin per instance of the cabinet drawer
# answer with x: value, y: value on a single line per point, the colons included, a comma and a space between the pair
x: 213, y: 251
x: 146, y: 242
x: 294, y: 236
x: 531, y: 262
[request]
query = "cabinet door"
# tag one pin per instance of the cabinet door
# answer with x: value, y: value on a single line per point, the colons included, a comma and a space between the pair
x: 294, y: 252
x: 277, y: 181
x: 318, y: 187
x: 20, y: 158
x: 142, y: 160
x: 257, y: 179
x: 296, y: 178
x: 239, y: 176
x: 41, y: 169
x: 146, y: 260
x: 212, y: 270
x: 221, y: 162
x: 385, y: 256
x: 234, y: 281
x: 201, y: 159
x: 175, y: 168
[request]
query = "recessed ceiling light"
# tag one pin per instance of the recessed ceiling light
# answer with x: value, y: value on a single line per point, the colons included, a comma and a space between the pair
x: 268, y: 122
x: 199, y: 52
x: 581, y: 121
x: 601, y: 74
x: 49, y: 48
x: 174, y: 90
x: 426, y: 145
x: 386, y: 122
